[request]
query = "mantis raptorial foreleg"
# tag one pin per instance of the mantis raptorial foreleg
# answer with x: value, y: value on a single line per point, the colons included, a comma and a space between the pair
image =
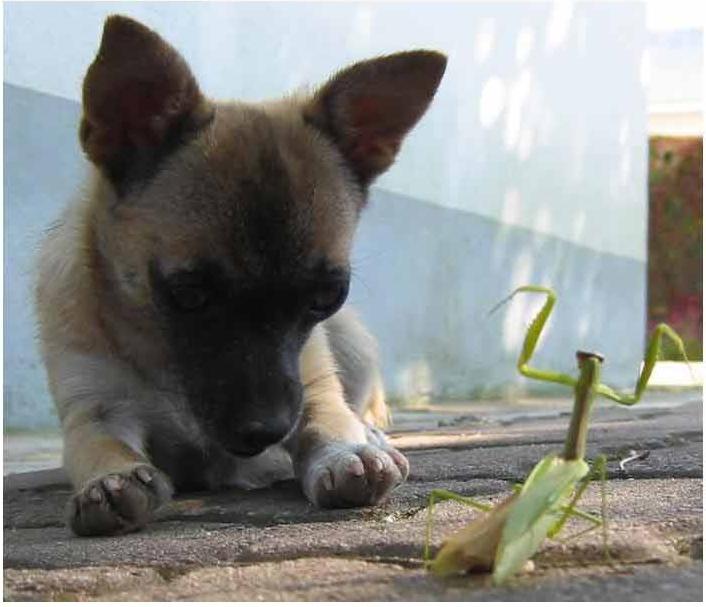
x: 537, y: 326
x: 651, y: 357
x: 598, y: 468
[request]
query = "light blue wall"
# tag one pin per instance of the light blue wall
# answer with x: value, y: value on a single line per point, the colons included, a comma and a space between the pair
x: 430, y: 275
x: 539, y: 121
x: 529, y: 167
x: 42, y: 166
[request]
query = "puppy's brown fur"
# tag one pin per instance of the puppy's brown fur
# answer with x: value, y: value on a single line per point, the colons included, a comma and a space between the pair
x: 188, y: 297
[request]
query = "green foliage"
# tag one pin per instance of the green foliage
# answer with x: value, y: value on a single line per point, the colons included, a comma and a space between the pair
x: 675, y: 241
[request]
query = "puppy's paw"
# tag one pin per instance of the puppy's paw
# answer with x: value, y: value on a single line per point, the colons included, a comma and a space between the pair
x: 118, y: 503
x: 342, y: 475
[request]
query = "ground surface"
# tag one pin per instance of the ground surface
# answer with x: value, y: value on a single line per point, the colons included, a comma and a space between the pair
x: 271, y: 545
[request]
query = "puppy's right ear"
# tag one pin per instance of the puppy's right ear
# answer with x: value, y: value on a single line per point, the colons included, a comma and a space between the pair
x: 139, y: 99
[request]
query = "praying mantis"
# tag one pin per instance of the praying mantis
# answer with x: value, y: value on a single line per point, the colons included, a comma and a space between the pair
x: 506, y: 535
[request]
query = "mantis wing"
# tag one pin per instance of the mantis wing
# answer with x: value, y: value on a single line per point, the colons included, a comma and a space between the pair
x: 535, y: 512
x: 541, y: 468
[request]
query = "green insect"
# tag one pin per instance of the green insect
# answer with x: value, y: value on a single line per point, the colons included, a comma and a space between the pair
x: 506, y: 536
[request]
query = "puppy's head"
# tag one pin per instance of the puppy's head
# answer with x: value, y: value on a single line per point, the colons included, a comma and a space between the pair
x: 225, y: 228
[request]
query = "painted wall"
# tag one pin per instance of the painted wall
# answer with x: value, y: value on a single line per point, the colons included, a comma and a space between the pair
x: 529, y: 167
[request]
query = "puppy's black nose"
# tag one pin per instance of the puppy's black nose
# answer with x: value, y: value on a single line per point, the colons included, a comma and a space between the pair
x: 255, y: 437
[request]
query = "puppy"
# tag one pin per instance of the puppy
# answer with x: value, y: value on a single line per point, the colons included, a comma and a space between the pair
x: 190, y: 300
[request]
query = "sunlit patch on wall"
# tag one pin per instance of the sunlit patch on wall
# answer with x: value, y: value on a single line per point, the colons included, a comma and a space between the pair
x: 512, y: 207
x: 516, y: 101
x: 625, y: 152
x: 583, y: 327
x: 559, y: 24
x: 492, y: 101
x: 510, y: 215
x: 543, y: 221
x: 485, y: 40
x: 623, y: 132
x: 415, y: 382
x: 517, y: 312
x: 577, y: 149
x: 625, y: 164
x: 525, y: 145
x: 579, y: 225
x: 524, y: 45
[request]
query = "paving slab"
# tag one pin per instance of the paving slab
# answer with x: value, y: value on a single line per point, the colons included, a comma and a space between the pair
x: 646, y: 512
x: 351, y: 580
x: 270, y: 544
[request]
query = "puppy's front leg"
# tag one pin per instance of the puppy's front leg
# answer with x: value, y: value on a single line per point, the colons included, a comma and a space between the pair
x: 118, y: 490
x: 340, y: 461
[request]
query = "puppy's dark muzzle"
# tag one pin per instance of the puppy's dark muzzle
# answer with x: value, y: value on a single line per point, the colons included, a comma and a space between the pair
x: 248, y: 400
x: 254, y: 437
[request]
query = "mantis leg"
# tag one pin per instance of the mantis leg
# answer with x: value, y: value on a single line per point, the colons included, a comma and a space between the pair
x: 537, y: 326
x: 532, y: 337
x: 598, y: 468
x: 442, y: 495
x: 604, y: 508
x: 591, y: 518
x: 586, y: 516
x: 651, y: 355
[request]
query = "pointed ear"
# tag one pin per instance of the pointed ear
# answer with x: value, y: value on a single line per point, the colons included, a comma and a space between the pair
x: 139, y: 98
x: 368, y: 108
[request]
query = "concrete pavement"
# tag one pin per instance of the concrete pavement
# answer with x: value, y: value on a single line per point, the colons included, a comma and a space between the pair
x: 271, y: 545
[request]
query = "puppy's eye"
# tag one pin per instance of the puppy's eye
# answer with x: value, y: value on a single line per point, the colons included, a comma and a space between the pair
x: 189, y: 297
x: 327, y: 299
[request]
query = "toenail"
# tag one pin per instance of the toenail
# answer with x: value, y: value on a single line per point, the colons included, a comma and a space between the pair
x: 95, y: 495
x: 398, y: 458
x: 328, y: 481
x: 356, y: 468
x: 113, y: 483
x: 144, y: 475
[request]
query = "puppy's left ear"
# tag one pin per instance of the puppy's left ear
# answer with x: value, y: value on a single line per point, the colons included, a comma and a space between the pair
x: 368, y: 108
